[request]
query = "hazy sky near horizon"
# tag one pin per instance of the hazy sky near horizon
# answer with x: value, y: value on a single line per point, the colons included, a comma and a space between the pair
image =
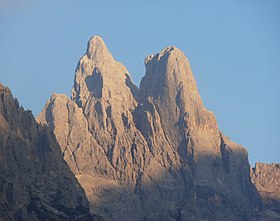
x: 233, y: 48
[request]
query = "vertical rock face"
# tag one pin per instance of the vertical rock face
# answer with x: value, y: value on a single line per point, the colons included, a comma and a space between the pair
x: 104, y: 92
x: 149, y: 154
x: 217, y: 167
x: 266, y: 178
x: 35, y: 181
x: 170, y: 82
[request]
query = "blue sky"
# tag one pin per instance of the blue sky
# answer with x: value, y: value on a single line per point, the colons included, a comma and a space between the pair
x: 233, y: 47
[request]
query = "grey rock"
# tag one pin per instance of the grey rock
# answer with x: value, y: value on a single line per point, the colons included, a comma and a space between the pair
x: 154, y: 153
x: 35, y: 182
x: 266, y: 177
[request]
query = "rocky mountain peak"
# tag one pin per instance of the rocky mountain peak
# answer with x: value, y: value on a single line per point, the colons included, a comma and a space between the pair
x: 150, y: 154
x: 97, y: 50
x: 170, y: 82
x: 100, y: 76
x: 170, y: 67
x: 165, y: 52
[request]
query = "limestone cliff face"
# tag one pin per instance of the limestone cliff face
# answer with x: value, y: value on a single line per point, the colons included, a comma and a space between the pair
x: 35, y: 181
x: 170, y: 82
x: 266, y: 178
x: 153, y: 153
x: 190, y: 129
x: 78, y: 146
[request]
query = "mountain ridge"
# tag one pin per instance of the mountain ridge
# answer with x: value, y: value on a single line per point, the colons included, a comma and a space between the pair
x: 150, y: 153
x: 35, y: 181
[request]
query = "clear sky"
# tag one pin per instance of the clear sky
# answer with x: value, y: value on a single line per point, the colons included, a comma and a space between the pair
x: 233, y: 47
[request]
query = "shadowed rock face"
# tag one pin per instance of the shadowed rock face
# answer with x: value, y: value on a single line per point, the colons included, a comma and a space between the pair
x: 266, y: 178
x: 153, y: 153
x: 35, y: 181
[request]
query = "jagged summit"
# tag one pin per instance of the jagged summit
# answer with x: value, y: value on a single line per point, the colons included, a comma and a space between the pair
x: 100, y: 76
x: 170, y: 82
x: 97, y: 50
x: 154, y: 153
x: 164, y: 52
x: 170, y: 66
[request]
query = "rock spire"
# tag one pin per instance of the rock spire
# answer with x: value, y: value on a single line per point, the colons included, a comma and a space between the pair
x: 153, y: 153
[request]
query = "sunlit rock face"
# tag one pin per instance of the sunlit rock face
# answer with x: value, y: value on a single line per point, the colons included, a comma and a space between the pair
x: 35, y: 181
x: 153, y: 153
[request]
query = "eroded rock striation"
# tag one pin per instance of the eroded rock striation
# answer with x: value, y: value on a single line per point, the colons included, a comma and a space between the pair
x: 35, y: 181
x: 154, y: 153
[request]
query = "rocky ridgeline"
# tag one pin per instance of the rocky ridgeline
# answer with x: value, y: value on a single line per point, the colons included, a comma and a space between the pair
x: 35, y: 181
x: 154, y: 153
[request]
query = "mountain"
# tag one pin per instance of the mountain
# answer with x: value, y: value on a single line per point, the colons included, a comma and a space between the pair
x: 35, y: 182
x: 266, y: 178
x: 153, y: 153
